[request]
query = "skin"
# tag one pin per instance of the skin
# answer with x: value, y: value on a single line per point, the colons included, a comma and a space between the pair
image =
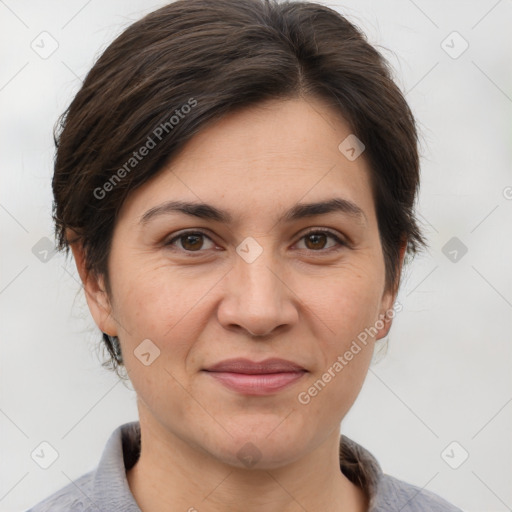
x: 303, y: 300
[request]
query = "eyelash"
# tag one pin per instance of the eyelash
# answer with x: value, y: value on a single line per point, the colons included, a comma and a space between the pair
x: 341, y: 243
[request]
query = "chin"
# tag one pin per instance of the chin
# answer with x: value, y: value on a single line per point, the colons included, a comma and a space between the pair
x: 262, y: 447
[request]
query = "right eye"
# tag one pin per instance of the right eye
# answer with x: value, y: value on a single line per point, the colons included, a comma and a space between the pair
x: 190, y: 241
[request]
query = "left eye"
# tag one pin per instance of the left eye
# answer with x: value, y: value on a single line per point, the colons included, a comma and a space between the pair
x: 316, y: 238
x: 192, y: 241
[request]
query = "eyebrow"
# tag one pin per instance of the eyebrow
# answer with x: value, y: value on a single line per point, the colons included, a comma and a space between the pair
x: 297, y: 212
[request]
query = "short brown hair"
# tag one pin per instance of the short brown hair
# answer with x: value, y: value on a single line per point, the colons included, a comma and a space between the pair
x: 217, y: 56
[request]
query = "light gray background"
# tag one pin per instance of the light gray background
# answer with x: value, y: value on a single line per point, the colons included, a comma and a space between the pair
x: 447, y: 375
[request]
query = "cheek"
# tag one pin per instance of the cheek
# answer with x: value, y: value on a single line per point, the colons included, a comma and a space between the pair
x: 344, y: 303
x: 167, y: 306
x: 343, y: 345
x: 345, y: 307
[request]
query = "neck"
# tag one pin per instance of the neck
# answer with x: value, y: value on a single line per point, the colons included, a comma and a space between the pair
x: 170, y: 475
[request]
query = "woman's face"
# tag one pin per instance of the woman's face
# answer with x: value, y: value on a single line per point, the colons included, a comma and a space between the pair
x: 250, y: 286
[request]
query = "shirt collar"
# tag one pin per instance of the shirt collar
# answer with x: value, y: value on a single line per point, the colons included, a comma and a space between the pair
x: 110, y: 488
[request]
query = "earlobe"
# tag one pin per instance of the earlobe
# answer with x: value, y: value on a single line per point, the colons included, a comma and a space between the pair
x: 388, y: 312
x: 383, y: 323
x: 95, y: 293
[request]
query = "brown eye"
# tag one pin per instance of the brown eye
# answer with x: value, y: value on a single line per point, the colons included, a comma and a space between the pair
x: 317, y: 240
x: 192, y: 241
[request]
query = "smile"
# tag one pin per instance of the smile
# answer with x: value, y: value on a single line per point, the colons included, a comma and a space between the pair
x: 250, y: 377
x: 257, y: 384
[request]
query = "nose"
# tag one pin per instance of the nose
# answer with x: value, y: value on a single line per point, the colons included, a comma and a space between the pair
x: 257, y: 297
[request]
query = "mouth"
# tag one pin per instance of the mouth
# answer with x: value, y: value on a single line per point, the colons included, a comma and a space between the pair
x: 256, y: 378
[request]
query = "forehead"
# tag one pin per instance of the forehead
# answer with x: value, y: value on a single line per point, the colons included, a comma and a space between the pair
x: 262, y: 158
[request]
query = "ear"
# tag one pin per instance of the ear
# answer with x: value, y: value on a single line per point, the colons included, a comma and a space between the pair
x: 387, y: 312
x: 95, y: 293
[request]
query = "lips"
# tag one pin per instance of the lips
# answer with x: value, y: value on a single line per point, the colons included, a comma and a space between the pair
x: 248, y: 367
x: 248, y: 377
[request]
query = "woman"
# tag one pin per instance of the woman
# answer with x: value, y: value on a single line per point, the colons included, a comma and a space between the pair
x: 236, y: 182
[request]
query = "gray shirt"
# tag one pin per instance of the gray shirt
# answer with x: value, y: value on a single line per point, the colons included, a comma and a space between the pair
x: 105, y: 489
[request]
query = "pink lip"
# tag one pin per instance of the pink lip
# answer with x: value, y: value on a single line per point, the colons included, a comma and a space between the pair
x: 241, y: 365
x: 256, y: 378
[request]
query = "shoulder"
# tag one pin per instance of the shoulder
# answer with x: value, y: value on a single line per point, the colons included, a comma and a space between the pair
x: 387, y: 493
x: 105, y: 488
x: 74, y: 496
x: 394, y: 494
